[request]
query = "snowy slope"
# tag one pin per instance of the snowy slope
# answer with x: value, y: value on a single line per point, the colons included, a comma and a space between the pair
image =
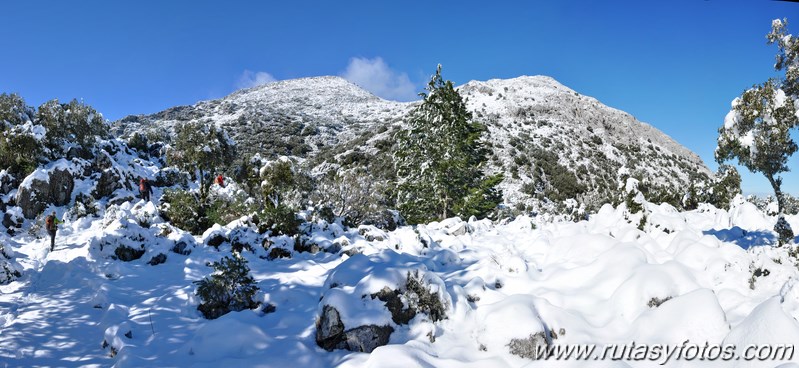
x: 599, y: 281
x: 331, y: 121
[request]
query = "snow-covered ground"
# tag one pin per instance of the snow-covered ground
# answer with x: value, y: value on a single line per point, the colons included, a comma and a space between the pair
x: 601, y: 281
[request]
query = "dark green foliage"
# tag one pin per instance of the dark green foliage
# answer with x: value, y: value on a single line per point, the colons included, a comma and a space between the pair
x: 413, y: 298
x: 203, y: 147
x: 784, y: 231
x: 70, y: 123
x: 184, y: 210
x: 230, y: 288
x: 19, y: 149
x: 439, y: 159
x: 562, y: 183
x: 138, y: 142
x: 281, y: 220
x: 284, y: 184
x: 13, y: 110
x: 758, y: 129
x: 482, y: 200
x: 725, y: 187
x: 223, y: 210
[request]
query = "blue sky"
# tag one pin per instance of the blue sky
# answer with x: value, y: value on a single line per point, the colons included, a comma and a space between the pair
x: 675, y: 64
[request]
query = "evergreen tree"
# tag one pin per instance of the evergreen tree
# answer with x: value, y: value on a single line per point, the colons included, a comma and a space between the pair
x: 283, y: 183
x: 757, y: 131
x: 726, y: 185
x: 230, y: 288
x: 73, y: 123
x: 204, y: 147
x: 439, y: 159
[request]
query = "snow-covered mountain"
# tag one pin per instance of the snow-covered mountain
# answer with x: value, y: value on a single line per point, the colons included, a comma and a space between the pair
x: 548, y: 140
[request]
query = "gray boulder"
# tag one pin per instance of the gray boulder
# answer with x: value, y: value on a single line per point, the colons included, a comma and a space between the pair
x: 57, y: 190
x: 109, y: 181
x: 330, y: 334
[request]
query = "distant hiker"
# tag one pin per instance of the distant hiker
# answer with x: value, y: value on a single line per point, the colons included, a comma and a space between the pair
x: 220, y: 180
x: 51, y: 224
x: 145, y: 189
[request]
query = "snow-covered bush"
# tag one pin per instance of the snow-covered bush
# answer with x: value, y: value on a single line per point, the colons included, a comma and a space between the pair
x: 281, y: 220
x: 183, y: 209
x: 203, y: 147
x: 83, y: 206
x: 9, y: 269
x: 230, y: 288
x: 224, y: 209
x: 784, y: 231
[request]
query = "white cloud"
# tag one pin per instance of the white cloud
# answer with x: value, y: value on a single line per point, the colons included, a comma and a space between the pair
x: 375, y: 76
x: 251, y: 79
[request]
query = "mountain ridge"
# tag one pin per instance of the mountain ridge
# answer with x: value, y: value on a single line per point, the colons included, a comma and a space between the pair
x: 327, y: 120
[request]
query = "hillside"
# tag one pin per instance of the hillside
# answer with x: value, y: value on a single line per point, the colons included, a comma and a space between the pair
x: 705, y: 276
x: 551, y: 143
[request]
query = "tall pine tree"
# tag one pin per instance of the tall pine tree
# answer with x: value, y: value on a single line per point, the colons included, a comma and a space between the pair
x: 439, y: 159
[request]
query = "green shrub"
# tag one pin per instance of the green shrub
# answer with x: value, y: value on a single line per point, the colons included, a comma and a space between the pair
x: 184, y: 210
x: 230, y: 288
x: 224, y: 210
x: 281, y: 220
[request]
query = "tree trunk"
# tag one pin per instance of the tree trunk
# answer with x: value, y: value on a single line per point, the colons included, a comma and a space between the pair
x: 775, y: 184
x: 202, y: 184
x: 446, y: 202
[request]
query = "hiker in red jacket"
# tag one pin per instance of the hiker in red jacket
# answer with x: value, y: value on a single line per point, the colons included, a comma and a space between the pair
x: 220, y: 180
x: 145, y: 189
x: 51, y: 224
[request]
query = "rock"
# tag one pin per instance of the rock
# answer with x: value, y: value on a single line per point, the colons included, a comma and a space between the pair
x: 276, y: 253
x: 181, y: 247
x: 330, y: 329
x: 333, y: 248
x: 353, y: 251
x: 330, y: 333
x: 78, y: 152
x: 216, y: 240
x: 109, y: 181
x: 460, y: 228
x: 302, y: 244
x: 7, y: 183
x: 101, y: 162
x: 119, y: 200
x: 10, y: 221
x: 414, y: 298
x: 365, y: 339
x: 33, y: 199
x: 157, y: 260
x: 127, y: 254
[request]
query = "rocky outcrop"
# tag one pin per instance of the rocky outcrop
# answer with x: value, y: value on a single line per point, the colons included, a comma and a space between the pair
x: 57, y: 190
x: 330, y: 334
x: 109, y: 181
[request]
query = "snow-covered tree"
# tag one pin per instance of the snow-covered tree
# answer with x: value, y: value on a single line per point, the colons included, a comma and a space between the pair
x: 204, y: 147
x: 787, y: 57
x: 229, y: 288
x: 352, y: 194
x: 283, y: 183
x: 724, y: 187
x: 71, y: 124
x: 439, y: 158
x: 757, y: 130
